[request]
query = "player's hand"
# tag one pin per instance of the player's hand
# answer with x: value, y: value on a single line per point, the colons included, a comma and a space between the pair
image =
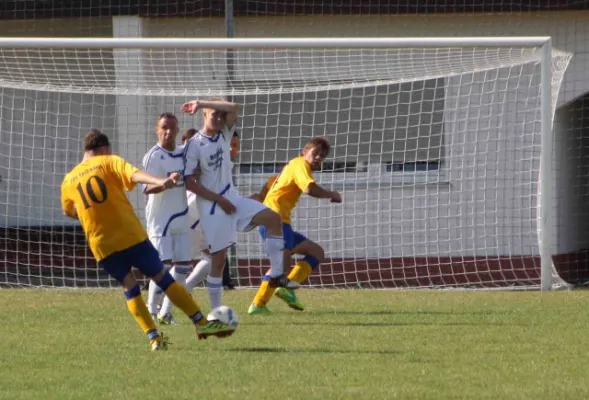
x: 335, y: 197
x: 227, y: 206
x: 170, y: 181
x: 191, y: 107
x: 196, y: 173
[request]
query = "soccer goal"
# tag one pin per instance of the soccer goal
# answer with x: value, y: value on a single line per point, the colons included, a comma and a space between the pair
x: 441, y: 148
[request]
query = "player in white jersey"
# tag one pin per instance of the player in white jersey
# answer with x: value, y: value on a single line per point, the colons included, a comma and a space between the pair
x: 223, y: 211
x: 168, y: 226
x: 200, y: 250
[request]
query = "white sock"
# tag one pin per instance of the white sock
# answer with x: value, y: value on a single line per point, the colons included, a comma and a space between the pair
x: 179, y: 273
x: 274, y: 246
x: 154, y: 297
x: 215, y: 290
x: 199, y: 273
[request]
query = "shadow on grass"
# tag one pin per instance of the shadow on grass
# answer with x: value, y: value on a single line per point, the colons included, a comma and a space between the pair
x: 391, y: 324
x: 307, y: 351
x: 397, y: 312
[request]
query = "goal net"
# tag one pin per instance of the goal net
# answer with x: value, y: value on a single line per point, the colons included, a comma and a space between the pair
x: 436, y: 149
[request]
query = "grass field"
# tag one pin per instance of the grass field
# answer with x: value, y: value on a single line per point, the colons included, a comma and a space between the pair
x: 349, y: 344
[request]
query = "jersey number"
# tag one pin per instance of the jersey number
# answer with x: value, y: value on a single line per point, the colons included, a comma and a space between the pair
x: 91, y: 193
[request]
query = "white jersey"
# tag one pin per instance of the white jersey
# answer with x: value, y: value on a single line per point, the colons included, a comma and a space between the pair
x: 166, y: 212
x: 212, y: 155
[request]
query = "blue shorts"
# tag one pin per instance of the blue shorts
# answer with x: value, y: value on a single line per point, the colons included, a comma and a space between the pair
x: 142, y: 256
x: 291, y: 238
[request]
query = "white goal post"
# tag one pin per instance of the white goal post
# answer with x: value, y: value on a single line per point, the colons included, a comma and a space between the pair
x: 442, y: 148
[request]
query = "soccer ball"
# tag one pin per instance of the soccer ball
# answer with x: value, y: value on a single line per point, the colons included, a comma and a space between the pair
x: 225, y: 315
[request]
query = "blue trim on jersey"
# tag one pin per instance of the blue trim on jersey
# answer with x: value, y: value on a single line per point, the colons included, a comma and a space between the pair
x: 168, y: 152
x: 220, y: 194
x: 213, y: 139
x: 195, y: 224
x: 173, y: 217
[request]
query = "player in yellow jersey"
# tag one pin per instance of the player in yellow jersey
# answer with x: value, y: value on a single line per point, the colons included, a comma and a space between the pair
x: 94, y: 193
x: 281, y: 194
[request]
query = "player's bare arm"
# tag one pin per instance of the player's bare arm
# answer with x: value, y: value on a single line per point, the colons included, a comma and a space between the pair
x: 148, y: 179
x: 318, y: 192
x: 194, y: 186
x: 227, y: 107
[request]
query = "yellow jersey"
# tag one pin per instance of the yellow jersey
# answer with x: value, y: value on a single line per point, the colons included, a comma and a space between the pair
x: 286, y: 188
x: 95, y: 190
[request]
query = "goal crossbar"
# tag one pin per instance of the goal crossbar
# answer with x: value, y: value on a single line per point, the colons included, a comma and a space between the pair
x: 249, y: 43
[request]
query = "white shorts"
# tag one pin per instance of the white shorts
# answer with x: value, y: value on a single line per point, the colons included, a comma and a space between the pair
x: 198, y: 242
x: 174, y: 246
x: 220, y: 230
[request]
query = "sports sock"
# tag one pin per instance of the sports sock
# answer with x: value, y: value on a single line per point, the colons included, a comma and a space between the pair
x: 274, y: 246
x: 215, y: 290
x: 138, y: 310
x: 179, y: 273
x: 199, y: 273
x: 181, y: 299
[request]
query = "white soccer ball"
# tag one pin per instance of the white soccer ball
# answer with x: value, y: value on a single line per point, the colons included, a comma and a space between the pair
x: 225, y: 315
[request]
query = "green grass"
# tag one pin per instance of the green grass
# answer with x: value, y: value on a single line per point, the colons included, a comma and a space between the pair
x: 349, y: 344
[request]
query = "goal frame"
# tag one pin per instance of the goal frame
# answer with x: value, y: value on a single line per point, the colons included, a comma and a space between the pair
x: 544, y: 43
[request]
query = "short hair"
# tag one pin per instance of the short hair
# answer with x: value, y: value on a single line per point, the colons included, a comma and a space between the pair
x: 95, y: 139
x: 235, y: 134
x: 319, y: 141
x: 188, y: 134
x: 168, y: 115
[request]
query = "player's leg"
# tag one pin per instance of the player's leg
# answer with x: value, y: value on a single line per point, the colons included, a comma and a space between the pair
x: 265, y: 292
x: 182, y: 255
x: 147, y: 261
x: 203, y: 267
x: 314, y: 255
x: 252, y: 213
x: 215, y: 278
x: 163, y: 245
x: 117, y: 266
x: 200, y: 271
x: 220, y: 233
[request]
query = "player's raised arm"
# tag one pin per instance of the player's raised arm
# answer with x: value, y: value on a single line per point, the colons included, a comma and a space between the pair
x: 225, y: 109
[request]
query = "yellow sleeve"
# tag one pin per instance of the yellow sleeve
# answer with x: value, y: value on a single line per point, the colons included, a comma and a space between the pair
x: 67, y: 204
x: 302, y: 174
x: 124, y: 171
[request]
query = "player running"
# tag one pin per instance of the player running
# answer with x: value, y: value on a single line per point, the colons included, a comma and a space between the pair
x: 223, y: 211
x: 94, y: 193
x: 282, y: 194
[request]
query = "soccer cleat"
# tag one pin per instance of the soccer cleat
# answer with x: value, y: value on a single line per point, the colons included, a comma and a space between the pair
x: 290, y: 298
x: 283, y: 281
x: 254, y: 309
x: 159, y: 343
x: 214, y: 328
x: 166, y: 319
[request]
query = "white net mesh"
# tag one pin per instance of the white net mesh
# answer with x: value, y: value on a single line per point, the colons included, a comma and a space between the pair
x: 436, y: 152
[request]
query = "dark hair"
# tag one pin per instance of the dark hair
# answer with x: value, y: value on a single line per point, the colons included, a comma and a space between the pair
x: 188, y: 134
x: 95, y: 139
x: 168, y: 115
x: 320, y: 142
x: 235, y: 134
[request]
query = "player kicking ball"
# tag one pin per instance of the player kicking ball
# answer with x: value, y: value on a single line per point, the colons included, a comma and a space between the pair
x: 281, y: 194
x: 223, y: 211
x: 94, y: 193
